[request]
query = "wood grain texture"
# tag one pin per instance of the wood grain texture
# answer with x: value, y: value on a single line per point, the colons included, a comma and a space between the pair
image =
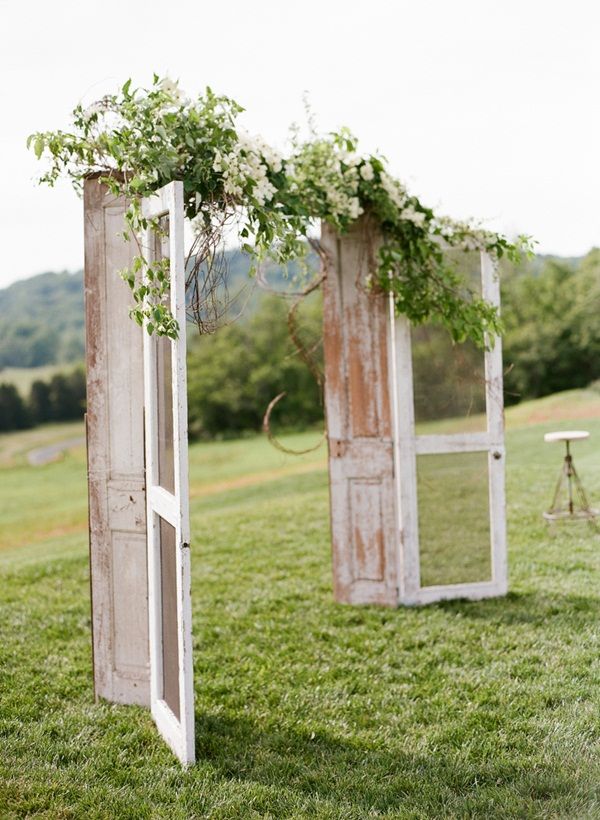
x: 115, y: 443
x: 364, y: 532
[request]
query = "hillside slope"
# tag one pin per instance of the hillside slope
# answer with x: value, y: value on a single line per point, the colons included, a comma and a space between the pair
x: 41, y: 320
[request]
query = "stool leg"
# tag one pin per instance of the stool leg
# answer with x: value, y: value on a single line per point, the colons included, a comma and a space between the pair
x: 570, y: 470
x: 583, y: 501
x: 555, y: 506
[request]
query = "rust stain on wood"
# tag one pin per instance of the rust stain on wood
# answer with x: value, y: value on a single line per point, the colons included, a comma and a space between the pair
x: 115, y: 458
x: 359, y: 423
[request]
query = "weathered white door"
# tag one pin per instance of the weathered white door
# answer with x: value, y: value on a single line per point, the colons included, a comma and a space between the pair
x: 168, y: 528
x: 450, y: 487
x: 115, y: 445
x: 356, y: 335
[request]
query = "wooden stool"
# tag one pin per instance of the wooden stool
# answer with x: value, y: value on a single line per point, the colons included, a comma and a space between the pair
x: 578, y: 507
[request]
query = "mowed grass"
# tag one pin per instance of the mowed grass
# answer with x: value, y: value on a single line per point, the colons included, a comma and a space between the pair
x: 305, y: 708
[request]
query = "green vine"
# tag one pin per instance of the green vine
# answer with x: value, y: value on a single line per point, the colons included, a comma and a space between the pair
x: 140, y: 139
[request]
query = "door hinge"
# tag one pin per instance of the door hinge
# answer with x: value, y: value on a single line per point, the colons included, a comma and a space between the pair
x: 337, y: 447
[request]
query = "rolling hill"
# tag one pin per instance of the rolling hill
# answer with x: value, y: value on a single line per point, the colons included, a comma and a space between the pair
x: 42, y: 318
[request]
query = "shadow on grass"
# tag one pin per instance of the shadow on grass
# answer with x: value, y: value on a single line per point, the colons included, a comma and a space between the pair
x: 535, y: 608
x: 382, y: 774
x: 366, y: 779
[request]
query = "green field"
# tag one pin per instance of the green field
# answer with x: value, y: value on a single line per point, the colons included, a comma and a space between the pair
x: 305, y: 708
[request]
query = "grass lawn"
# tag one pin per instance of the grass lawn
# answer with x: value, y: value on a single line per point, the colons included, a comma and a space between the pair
x: 305, y: 708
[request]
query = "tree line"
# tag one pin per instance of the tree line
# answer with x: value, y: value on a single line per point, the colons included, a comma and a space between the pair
x: 232, y: 376
x: 550, y: 308
x: 61, y: 398
x: 552, y: 319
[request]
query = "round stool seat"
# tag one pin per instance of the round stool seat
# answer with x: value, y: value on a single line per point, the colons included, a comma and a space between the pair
x: 566, y: 435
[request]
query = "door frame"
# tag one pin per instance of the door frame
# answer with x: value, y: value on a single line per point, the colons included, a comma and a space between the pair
x: 407, y: 445
x: 160, y: 503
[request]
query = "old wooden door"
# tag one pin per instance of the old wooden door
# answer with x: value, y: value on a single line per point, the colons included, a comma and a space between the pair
x: 169, y: 602
x: 115, y: 446
x: 356, y: 333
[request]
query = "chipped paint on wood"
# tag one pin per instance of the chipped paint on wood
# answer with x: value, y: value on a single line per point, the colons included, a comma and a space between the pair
x: 115, y: 445
x: 359, y: 425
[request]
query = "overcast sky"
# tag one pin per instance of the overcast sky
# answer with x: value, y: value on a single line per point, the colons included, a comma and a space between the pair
x: 484, y: 108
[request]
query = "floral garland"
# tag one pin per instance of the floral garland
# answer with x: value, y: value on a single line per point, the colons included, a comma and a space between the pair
x: 141, y: 139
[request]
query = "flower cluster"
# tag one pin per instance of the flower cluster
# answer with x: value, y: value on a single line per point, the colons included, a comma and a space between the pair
x: 246, y: 169
x: 394, y: 189
x: 325, y: 173
x: 139, y: 140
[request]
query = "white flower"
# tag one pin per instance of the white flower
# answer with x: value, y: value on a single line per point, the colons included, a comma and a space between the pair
x: 416, y: 217
x: 394, y: 190
x: 367, y: 172
x: 258, y: 147
x: 355, y: 209
x: 232, y: 188
x: 273, y: 159
x: 94, y: 108
x: 218, y: 161
x: 264, y: 191
x: 351, y: 175
x: 172, y: 89
x: 350, y: 159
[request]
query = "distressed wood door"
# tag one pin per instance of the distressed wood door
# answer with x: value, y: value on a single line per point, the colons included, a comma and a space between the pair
x: 469, y: 511
x: 165, y: 401
x: 115, y: 448
x: 356, y: 333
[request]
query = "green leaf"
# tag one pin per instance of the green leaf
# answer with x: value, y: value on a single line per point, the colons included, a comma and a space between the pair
x: 38, y: 146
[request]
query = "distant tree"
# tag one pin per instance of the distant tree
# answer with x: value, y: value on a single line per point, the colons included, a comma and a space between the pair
x: 60, y: 397
x: 40, y: 403
x: 234, y: 374
x: 13, y: 412
x: 67, y: 395
x: 77, y: 385
x: 552, y: 339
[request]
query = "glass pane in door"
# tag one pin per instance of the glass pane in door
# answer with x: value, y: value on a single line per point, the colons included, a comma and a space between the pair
x: 170, y: 631
x: 454, y: 518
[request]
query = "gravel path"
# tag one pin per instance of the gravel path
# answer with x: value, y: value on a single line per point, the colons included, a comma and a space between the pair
x: 43, y: 455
